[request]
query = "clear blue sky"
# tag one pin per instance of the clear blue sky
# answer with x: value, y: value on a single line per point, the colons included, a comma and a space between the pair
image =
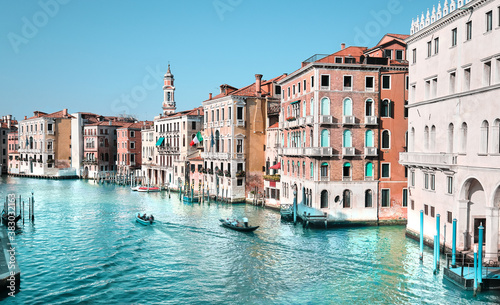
x: 109, y: 57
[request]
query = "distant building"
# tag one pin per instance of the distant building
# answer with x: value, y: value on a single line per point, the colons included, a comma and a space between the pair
x: 45, y: 144
x: 235, y: 138
x: 7, y: 125
x: 454, y: 123
x: 13, y: 152
x: 342, y: 127
x: 129, y: 148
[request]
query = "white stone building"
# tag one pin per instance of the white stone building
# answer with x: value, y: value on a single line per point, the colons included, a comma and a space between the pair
x: 453, y: 158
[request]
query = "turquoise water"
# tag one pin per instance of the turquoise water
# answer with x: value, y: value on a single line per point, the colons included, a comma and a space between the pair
x: 85, y: 248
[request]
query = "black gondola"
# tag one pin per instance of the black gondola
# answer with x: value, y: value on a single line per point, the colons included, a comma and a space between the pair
x: 226, y: 224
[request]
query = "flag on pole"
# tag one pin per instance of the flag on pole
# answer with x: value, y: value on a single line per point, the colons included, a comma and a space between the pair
x: 197, y: 139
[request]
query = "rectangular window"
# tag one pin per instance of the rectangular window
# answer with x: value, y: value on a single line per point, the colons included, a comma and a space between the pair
x: 412, y: 178
x: 369, y: 86
x: 386, y: 170
x: 429, y: 48
x: 412, y: 204
x: 427, y: 89
x: 386, y: 82
x: 454, y: 37
x: 229, y: 113
x: 407, y: 82
x: 468, y: 30
x: 338, y: 60
x: 350, y: 60
x: 466, y: 79
x: 432, y: 211
x: 193, y: 125
x: 132, y: 145
x: 312, y: 82
x: 433, y: 182
x: 399, y: 54
x: 388, y: 53
x: 405, y: 198
x: 406, y: 111
x: 305, y: 83
x: 347, y: 83
x: 426, y: 209
x: 453, y: 79
x: 449, y: 217
x: 239, y: 113
x: 426, y: 181
x: 386, y: 198
x: 293, y: 89
x: 239, y: 182
x: 325, y: 81
x: 288, y: 90
x: 277, y: 90
x: 436, y: 45
x: 487, y: 73
x: 413, y: 92
x: 298, y: 87
x: 449, y: 184
x: 434, y: 87
x: 414, y: 55
x: 489, y: 21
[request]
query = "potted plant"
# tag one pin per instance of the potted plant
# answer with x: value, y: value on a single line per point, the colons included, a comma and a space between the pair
x: 219, y: 172
x: 210, y: 171
x: 290, y: 118
x: 227, y: 173
x: 203, y: 170
x: 240, y: 174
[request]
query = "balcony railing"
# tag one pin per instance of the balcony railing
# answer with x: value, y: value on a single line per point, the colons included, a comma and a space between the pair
x: 301, y: 121
x: 370, y: 152
x: 348, y: 151
x: 309, y: 120
x: 51, y: 132
x: 428, y: 159
x: 370, y: 120
x: 325, y: 178
x: 318, y: 151
x: 348, y: 119
x: 325, y: 119
x: 292, y: 151
x: 240, y: 123
x: 228, y: 123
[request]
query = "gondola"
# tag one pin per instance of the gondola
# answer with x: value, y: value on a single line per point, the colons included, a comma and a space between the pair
x: 242, y: 229
x: 148, y: 189
x: 143, y: 222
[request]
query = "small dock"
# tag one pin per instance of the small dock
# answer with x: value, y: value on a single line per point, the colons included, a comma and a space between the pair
x: 463, y: 276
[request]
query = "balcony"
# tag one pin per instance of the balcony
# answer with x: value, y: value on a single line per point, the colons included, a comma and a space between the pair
x: 205, y: 125
x: 431, y: 160
x: 240, y: 123
x: 301, y: 121
x: 223, y: 156
x: 370, y: 120
x: 371, y: 152
x: 228, y: 123
x: 216, y: 124
x: 292, y: 151
x: 318, y: 151
x: 348, y: 151
x: 348, y: 120
x: 323, y: 178
x: 325, y: 119
x: 309, y: 120
x: 50, y: 132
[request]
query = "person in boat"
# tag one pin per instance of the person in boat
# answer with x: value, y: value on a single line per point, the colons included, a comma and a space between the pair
x: 152, y: 218
x: 245, y: 222
x: 144, y: 216
x: 234, y: 222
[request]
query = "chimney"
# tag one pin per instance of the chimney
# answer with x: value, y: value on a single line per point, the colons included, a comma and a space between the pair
x: 8, y: 120
x: 342, y: 46
x: 210, y: 96
x: 258, y: 81
x: 25, y: 117
x: 110, y: 123
x: 65, y: 112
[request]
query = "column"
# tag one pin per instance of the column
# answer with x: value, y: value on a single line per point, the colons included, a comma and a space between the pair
x: 462, y: 223
x: 491, y: 251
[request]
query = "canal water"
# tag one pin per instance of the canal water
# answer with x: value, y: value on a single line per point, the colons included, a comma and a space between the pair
x: 85, y: 248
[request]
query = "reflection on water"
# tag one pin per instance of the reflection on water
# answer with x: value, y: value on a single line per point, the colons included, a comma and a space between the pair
x: 85, y: 247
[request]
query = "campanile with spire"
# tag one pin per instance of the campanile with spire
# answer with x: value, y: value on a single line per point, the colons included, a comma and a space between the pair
x: 168, y: 91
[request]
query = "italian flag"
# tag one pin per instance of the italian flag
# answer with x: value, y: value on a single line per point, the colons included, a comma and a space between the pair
x: 196, y: 139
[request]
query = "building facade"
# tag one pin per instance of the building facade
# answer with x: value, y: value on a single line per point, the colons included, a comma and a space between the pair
x: 342, y: 128
x: 45, y: 144
x: 454, y: 125
x: 129, y: 148
x: 13, y: 152
x: 7, y: 125
x: 235, y: 138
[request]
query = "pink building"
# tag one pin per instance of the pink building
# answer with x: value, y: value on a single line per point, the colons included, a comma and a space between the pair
x: 129, y: 148
x: 13, y: 152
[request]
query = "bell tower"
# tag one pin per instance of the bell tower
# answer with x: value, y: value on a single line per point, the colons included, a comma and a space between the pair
x: 168, y: 92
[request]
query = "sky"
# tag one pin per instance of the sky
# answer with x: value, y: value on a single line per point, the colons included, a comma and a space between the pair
x: 109, y: 57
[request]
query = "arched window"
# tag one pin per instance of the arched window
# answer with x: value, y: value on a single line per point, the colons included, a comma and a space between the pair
x: 496, y: 136
x: 369, y: 138
x: 304, y: 168
x: 304, y: 109
x: 369, y: 170
x: 288, y: 112
x: 288, y: 166
x: 386, y: 139
x: 385, y: 109
x: 312, y: 107
x: 106, y: 157
x: 450, y: 138
x: 463, y: 138
x: 325, y: 106
x: 347, y: 107
x: 346, y: 171
x: 433, y: 138
x: 347, y: 141
x: 369, y: 111
x: 426, y: 137
x: 324, y: 170
x: 325, y: 141
x: 346, y: 199
x: 293, y: 167
x: 484, y: 137
x: 217, y: 141
x: 368, y: 198
x: 312, y: 170
x: 324, y: 199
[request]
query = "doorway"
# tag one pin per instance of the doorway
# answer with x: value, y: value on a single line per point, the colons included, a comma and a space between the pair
x: 477, y: 223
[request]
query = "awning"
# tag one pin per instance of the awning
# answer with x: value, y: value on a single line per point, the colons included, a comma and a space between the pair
x: 295, y: 102
x: 160, y: 140
x: 276, y: 166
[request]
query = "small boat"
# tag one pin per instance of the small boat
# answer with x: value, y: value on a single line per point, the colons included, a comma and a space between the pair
x: 135, y: 188
x: 227, y: 224
x: 144, y: 222
x: 148, y: 189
